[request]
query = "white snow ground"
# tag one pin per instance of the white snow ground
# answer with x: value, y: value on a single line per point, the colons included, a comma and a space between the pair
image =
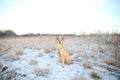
x: 36, y: 64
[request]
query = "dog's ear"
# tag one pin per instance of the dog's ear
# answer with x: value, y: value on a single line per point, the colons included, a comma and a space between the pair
x: 63, y: 38
x: 57, y: 37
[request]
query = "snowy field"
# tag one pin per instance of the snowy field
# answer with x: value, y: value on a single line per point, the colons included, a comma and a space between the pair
x: 34, y: 58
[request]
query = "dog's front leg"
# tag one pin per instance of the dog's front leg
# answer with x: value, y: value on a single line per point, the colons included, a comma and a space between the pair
x: 58, y: 59
x: 62, y: 62
x: 58, y: 55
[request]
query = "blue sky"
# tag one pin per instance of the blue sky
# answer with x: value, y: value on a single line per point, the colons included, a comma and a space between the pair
x: 59, y: 16
x: 6, y: 5
x: 112, y: 8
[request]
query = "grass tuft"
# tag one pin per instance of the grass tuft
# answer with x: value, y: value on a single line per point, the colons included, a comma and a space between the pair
x: 33, y: 62
x: 88, y: 65
x: 42, y: 71
x: 113, y: 63
x: 96, y: 75
x: 11, y: 57
x: 47, y: 50
x: 19, y: 52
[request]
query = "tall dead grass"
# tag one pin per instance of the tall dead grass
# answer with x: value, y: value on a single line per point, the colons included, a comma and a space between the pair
x: 112, y: 62
x: 114, y: 41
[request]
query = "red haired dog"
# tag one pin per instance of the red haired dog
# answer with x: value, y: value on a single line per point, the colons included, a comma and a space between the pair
x: 62, y: 53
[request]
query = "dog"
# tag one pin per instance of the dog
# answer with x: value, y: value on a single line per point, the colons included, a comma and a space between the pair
x: 62, y: 53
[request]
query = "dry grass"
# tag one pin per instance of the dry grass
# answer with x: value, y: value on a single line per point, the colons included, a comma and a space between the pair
x: 7, y: 49
x: 41, y: 71
x: 113, y: 63
x: 49, y: 43
x: 113, y: 40
x: 82, y: 77
x: 101, y: 47
x: 88, y: 64
x: 11, y: 57
x: 43, y: 42
x: 47, y: 50
x: 96, y: 75
x: 39, y: 55
x: 91, y: 55
x: 19, y: 52
x: 33, y: 62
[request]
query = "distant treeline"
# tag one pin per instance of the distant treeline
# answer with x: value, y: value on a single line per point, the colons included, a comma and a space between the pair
x: 7, y: 33
x: 10, y: 33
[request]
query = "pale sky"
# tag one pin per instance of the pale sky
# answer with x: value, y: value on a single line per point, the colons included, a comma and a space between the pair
x: 59, y: 16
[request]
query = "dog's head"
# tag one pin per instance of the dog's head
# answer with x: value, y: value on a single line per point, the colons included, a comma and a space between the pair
x: 60, y: 40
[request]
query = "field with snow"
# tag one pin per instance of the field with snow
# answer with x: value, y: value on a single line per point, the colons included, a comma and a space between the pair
x: 34, y: 58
